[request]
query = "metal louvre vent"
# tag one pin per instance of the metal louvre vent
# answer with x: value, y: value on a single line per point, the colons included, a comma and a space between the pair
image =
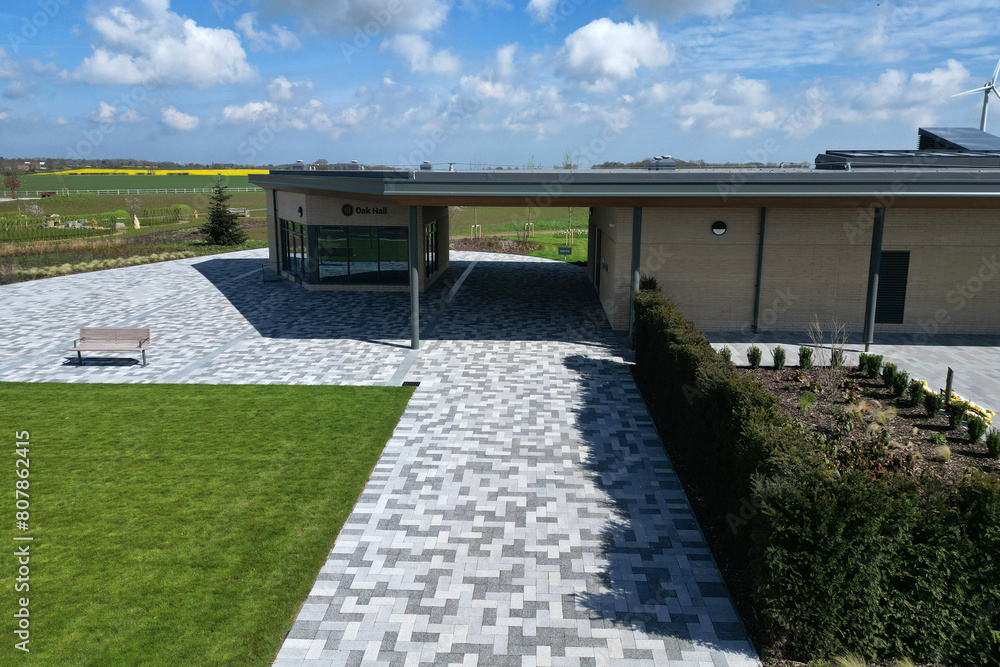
x: 891, y: 300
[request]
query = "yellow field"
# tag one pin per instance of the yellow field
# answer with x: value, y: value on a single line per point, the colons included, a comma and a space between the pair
x: 161, y: 172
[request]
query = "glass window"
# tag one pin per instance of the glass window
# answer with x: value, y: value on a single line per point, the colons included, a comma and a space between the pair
x: 364, y: 255
x: 293, y: 256
x: 394, y: 251
x: 334, y: 253
x: 430, y: 249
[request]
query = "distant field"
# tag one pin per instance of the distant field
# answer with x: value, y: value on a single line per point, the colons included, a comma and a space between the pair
x: 164, y: 172
x: 84, y: 204
x: 142, y: 180
x: 497, y: 220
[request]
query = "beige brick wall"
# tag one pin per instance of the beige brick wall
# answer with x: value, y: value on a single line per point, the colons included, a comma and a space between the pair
x: 711, y: 277
x: 954, y: 278
x: 615, y: 224
x: 815, y: 266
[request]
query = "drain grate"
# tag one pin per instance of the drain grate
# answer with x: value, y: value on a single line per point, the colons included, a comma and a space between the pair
x: 411, y: 384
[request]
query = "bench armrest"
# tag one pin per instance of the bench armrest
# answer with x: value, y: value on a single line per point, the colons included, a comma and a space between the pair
x: 144, y: 340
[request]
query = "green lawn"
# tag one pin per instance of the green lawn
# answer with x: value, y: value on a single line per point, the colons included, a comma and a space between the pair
x: 180, y: 524
x: 508, y: 220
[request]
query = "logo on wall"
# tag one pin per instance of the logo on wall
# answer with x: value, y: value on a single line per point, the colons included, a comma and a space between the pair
x: 347, y: 210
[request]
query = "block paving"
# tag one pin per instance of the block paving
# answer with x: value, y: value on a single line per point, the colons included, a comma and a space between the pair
x: 523, y: 512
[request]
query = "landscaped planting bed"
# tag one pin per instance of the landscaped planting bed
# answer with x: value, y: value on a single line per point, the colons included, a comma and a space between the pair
x: 836, y: 529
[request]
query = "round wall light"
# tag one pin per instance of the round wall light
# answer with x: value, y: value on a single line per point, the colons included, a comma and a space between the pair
x: 719, y: 228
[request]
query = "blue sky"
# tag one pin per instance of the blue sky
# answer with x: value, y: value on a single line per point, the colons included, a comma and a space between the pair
x: 485, y: 82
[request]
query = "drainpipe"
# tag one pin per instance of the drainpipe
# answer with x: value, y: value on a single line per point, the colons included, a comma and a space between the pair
x: 414, y: 281
x: 874, y: 267
x: 636, y: 250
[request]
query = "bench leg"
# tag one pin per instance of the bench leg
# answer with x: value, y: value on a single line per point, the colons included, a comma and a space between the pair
x: 144, y: 357
x: 79, y: 358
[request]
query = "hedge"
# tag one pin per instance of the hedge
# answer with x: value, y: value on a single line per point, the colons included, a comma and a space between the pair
x: 836, y: 559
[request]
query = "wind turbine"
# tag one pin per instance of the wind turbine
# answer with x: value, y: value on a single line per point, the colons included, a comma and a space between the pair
x: 990, y: 87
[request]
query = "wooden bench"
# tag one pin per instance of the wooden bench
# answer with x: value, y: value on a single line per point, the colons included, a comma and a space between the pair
x: 110, y: 339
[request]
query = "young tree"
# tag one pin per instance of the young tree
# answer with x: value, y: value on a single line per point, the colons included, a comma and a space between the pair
x: 12, y: 181
x: 222, y: 227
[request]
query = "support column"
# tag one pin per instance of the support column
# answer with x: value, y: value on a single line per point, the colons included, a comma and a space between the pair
x: 636, y: 251
x: 760, y: 271
x: 874, y: 267
x: 414, y: 280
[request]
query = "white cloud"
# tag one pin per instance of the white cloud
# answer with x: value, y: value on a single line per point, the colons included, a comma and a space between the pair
x: 731, y: 106
x: 281, y: 89
x: 896, y: 96
x: 252, y: 112
x: 344, y: 16
x: 131, y: 116
x: 542, y: 10
x: 605, y: 50
x: 4, y: 116
x: 279, y: 36
x: 61, y: 121
x: 505, y: 68
x: 179, y: 120
x: 417, y: 51
x: 105, y: 113
x: 146, y: 43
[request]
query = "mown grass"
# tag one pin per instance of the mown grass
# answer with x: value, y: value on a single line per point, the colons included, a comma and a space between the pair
x: 497, y: 220
x: 181, y: 524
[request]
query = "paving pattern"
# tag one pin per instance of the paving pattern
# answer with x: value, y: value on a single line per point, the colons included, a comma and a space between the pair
x: 523, y: 512
x: 974, y: 358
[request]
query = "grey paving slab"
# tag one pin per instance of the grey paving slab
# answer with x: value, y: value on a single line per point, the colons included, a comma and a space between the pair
x: 974, y: 358
x: 523, y: 512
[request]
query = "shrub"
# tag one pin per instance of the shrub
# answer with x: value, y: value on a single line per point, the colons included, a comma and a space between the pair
x: 942, y: 453
x: 806, y: 403
x: 939, y: 439
x: 726, y: 353
x: 993, y: 443
x: 837, y: 357
x: 933, y: 402
x: 838, y: 554
x: 778, y: 354
x: 753, y: 356
x: 917, y: 391
x: 899, y: 382
x: 805, y: 357
x: 649, y: 283
x: 888, y: 371
x: 977, y: 429
x: 956, y: 413
x: 874, y: 365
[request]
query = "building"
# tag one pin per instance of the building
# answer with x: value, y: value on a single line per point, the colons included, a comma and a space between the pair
x: 881, y: 241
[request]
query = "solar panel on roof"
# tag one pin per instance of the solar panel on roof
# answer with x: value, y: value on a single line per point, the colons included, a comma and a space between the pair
x: 957, y: 138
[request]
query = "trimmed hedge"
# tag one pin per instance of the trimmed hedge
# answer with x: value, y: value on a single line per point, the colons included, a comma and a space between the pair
x: 839, y: 559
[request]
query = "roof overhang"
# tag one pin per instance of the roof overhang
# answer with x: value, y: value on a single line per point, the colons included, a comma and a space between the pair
x: 696, y: 187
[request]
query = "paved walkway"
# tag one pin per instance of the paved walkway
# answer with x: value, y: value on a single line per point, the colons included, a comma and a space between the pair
x: 974, y: 358
x: 522, y: 513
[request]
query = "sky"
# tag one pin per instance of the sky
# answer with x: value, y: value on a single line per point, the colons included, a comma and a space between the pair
x: 486, y: 82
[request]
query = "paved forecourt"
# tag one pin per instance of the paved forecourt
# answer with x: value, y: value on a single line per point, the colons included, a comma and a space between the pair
x: 523, y: 512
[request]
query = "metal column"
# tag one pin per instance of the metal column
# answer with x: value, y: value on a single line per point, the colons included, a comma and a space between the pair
x: 760, y: 271
x: 414, y: 280
x: 873, y: 270
x: 636, y: 250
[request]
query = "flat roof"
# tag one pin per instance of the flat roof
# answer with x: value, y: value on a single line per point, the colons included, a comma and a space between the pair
x: 633, y: 187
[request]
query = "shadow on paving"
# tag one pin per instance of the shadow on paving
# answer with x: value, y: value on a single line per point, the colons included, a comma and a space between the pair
x: 660, y: 577
x: 540, y: 301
